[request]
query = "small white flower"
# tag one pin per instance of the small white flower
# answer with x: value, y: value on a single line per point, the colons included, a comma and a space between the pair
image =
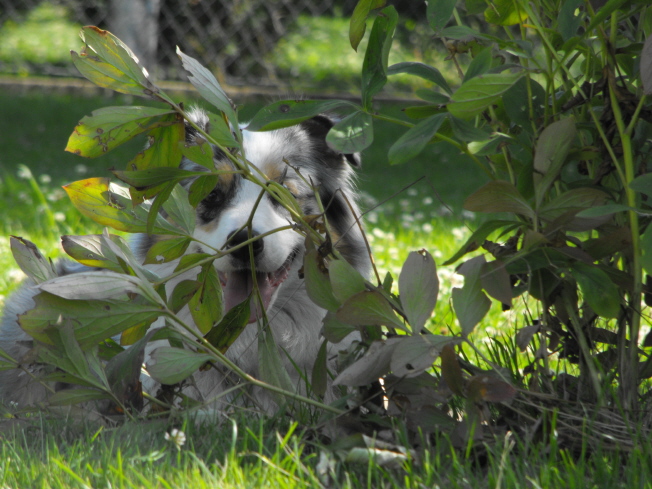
x: 177, y: 437
x: 45, y: 178
x: 24, y: 172
x: 412, y: 192
x: 81, y: 169
x: 59, y: 216
x: 427, y: 227
x: 427, y: 201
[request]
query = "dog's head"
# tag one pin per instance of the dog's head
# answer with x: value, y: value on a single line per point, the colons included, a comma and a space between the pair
x: 242, y: 220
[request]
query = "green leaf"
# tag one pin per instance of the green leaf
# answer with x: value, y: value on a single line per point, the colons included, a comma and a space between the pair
x: 470, y: 302
x: 496, y: 281
x: 439, y: 12
x: 646, y: 247
x: 461, y: 32
x: 573, y: 201
x: 209, y: 88
x: 109, y: 63
x: 334, y: 330
x: 219, y: 129
x: 480, y: 64
x: 123, y: 371
x: 414, y: 354
x: 412, y: 142
x: 352, y: 134
x: 224, y: 333
x: 598, y: 290
x: 182, y: 293
x: 418, y: 286
x: 358, y: 23
x: 169, y: 365
x: 319, y: 377
x: 89, y: 250
x: 110, y: 206
x: 179, y: 211
x: 167, y: 248
x: 271, y: 368
x: 374, y: 66
x: 504, y: 12
x: 346, y: 281
x: 76, y: 396
x: 499, y: 196
x: 421, y: 70
x: 286, y: 113
x: 202, y: 154
x: 30, y: 260
x: 466, y: 131
x: 95, y: 285
x: 206, y: 305
x: 567, y: 21
x: 109, y: 127
x: 201, y: 187
x: 369, y: 308
x: 374, y: 364
x: 94, y: 321
x: 478, y: 237
x: 153, y: 177
x: 550, y: 152
x: 476, y: 94
x: 642, y: 183
x: 318, y: 284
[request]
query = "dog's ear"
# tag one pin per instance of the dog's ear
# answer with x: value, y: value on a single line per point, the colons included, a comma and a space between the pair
x: 317, y: 128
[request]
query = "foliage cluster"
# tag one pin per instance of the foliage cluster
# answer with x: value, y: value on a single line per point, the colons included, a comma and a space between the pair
x: 554, y: 112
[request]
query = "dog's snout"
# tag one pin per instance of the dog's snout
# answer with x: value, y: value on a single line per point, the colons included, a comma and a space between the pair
x: 238, y: 237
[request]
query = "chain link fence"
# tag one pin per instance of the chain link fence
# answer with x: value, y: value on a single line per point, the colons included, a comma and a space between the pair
x: 235, y: 38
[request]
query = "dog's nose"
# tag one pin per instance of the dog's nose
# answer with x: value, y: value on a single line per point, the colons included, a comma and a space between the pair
x: 238, y: 237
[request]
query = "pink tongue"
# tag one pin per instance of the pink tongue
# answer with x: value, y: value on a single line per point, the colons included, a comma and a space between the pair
x: 238, y: 288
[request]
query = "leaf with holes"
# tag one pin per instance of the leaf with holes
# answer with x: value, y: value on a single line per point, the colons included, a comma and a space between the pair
x: 288, y: 113
x: 110, y: 205
x: 166, y: 249
x: 414, y: 354
x: 108, y: 62
x: 109, y: 127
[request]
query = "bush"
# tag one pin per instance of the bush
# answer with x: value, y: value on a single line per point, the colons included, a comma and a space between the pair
x: 554, y: 113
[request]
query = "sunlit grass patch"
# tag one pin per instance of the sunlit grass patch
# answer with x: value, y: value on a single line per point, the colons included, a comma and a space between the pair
x: 44, y: 36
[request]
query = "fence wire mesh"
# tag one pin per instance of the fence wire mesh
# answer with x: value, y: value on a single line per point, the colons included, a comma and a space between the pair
x: 232, y: 37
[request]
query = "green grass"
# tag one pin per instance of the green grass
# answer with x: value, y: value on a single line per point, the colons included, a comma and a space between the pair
x: 255, y: 453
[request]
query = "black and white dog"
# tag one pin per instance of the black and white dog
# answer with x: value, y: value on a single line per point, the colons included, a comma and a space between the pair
x: 294, y: 157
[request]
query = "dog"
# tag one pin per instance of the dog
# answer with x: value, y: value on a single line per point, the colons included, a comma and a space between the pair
x: 235, y: 211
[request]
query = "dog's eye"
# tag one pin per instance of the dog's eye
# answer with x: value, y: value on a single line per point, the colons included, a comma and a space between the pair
x: 213, y: 198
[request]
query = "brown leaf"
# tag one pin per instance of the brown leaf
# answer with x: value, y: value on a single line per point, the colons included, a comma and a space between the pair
x: 489, y: 388
x: 451, y: 370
